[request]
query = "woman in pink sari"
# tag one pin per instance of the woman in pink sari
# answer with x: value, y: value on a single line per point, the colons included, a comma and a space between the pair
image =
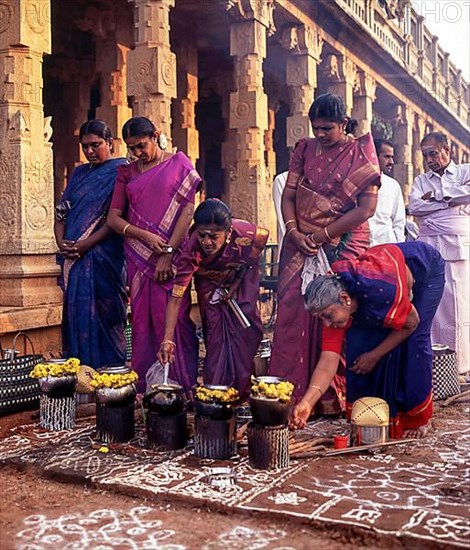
x: 152, y: 207
x: 223, y: 254
x: 330, y: 193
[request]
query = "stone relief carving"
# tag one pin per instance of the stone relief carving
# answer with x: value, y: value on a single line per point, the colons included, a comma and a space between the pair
x: 262, y: 10
x: 37, y: 15
x: 6, y: 14
x: 243, y: 205
x: 48, y: 131
x: 364, y: 84
x: 18, y: 127
x: 289, y: 38
x: 330, y: 68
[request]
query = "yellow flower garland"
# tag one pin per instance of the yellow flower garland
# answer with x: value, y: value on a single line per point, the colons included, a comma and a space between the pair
x: 113, y: 380
x: 70, y: 367
x: 222, y: 396
x: 280, y: 390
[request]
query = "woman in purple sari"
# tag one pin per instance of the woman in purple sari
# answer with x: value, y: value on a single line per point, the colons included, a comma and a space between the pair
x: 223, y: 254
x: 92, y: 256
x: 330, y: 193
x: 152, y: 207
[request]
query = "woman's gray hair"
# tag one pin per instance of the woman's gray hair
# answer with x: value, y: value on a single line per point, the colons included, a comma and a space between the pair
x: 322, y: 292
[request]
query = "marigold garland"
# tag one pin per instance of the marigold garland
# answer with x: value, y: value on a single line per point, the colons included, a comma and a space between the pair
x: 113, y: 380
x: 70, y: 367
x: 279, y: 390
x: 206, y: 395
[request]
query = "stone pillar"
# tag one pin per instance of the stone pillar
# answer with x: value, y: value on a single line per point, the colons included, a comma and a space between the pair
x: 110, y: 27
x: 111, y: 60
x: 27, y: 264
x: 418, y: 134
x: 403, y: 140
x: 151, y: 69
x: 247, y: 191
x: 74, y: 77
x: 185, y: 133
x: 364, y: 97
x: 304, y: 45
x: 340, y: 73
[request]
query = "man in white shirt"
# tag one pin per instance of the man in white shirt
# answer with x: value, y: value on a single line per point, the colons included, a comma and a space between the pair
x: 387, y: 225
x: 440, y: 200
x: 278, y: 188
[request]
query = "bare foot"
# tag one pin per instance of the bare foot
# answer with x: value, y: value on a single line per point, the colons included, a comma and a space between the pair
x: 418, y: 433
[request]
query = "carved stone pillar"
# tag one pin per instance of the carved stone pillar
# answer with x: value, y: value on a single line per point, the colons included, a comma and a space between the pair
x: 364, y: 97
x: 74, y: 77
x: 185, y: 133
x: 110, y: 28
x: 340, y: 73
x: 418, y: 134
x: 151, y: 70
x: 304, y: 45
x: 247, y: 190
x: 403, y: 140
x: 27, y: 261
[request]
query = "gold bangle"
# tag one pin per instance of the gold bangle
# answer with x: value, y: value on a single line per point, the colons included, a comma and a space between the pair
x: 315, y: 387
x: 290, y: 221
x: 169, y: 342
x: 312, y: 238
x: 125, y: 228
x: 327, y: 235
x: 291, y: 229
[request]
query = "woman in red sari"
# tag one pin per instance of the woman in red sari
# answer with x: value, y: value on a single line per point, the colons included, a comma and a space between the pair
x: 384, y: 302
x: 330, y: 193
x: 152, y: 207
x: 223, y: 254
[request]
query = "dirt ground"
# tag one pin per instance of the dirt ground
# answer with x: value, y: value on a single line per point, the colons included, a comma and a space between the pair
x: 38, y: 513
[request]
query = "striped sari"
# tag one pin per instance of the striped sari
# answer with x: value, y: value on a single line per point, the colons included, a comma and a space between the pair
x: 154, y: 201
x: 328, y: 183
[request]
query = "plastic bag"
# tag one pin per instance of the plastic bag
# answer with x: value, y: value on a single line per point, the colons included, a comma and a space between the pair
x: 156, y: 375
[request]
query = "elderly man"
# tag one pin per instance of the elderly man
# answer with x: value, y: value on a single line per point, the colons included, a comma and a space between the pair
x: 440, y: 200
x: 387, y: 225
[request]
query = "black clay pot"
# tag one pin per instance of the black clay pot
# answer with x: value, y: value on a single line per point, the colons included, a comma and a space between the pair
x: 58, y: 386
x: 165, y: 400
x: 269, y: 412
x: 213, y: 409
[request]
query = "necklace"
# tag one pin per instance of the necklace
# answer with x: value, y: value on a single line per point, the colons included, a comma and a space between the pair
x: 151, y: 164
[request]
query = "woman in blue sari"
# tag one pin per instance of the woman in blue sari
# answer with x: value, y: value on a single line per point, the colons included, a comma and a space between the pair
x: 382, y: 304
x: 92, y: 256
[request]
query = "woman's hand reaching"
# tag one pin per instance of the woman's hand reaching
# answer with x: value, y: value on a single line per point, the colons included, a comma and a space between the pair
x: 303, y: 243
x: 166, y: 353
x: 300, y: 415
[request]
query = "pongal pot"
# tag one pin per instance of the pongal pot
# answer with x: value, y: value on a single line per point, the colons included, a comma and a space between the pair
x: 116, y: 397
x: 165, y: 399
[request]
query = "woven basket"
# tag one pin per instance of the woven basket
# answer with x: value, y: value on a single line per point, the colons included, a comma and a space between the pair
x: 370, y: 411
x: 19, y: 392
x: 84, y: 377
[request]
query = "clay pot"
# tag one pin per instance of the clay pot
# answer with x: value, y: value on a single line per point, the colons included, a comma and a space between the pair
x: 116, y: 397
x: 269, y: 412
x: 213, y: 409
x: 58, y: 386
x: 166, y: 400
